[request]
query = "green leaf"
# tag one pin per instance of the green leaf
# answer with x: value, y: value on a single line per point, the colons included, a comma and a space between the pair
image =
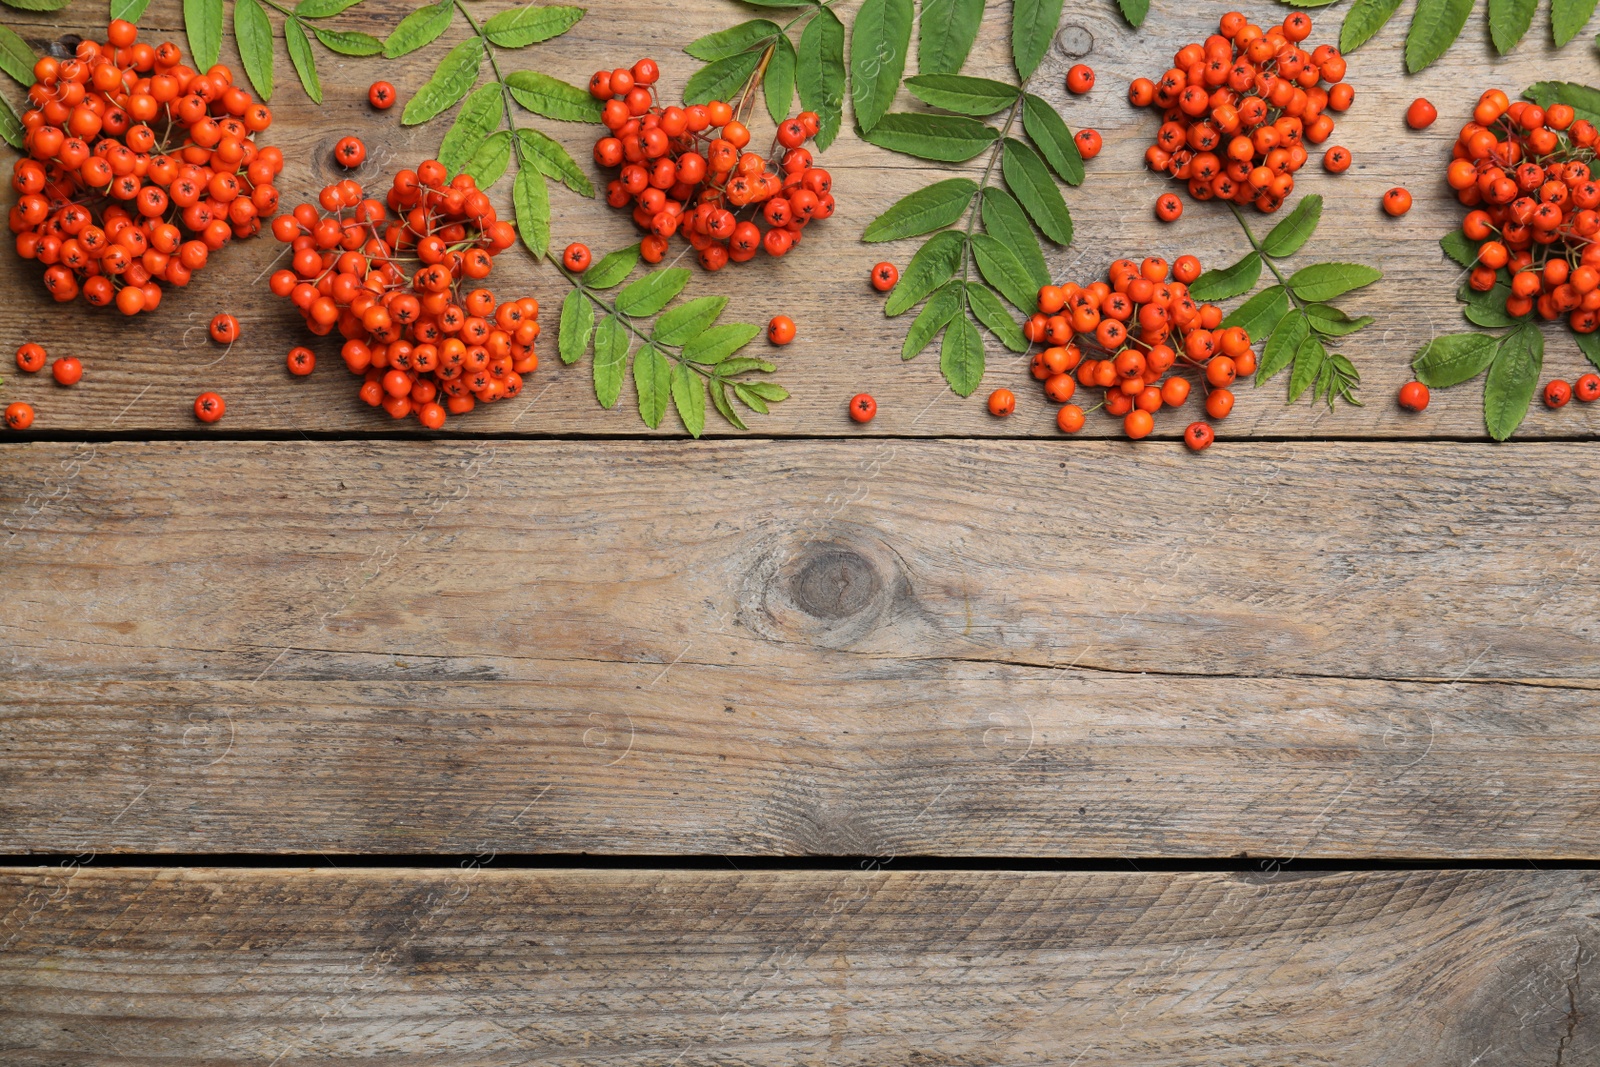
x: 1324, y: 281
x: 879, y: 40
x: 652, y: 379
x: 744, y: 37
x: 1458, y: 248
x: 610, y: 357
x: 940, y: 138
x: 37, y: 5
x: 1282, y: 344
x: 1487, y: 309
x: 302, y: 58
x: 17, y: 59
x: 777, y: 84
x: 552, y: 97
x: 993, y: 314
x: 689, y: 396
x: 934, y: 264
x: 480, y: 115
x: 1003, y: 219
x: 961, y: 356
x: 1589, y: 345
x: 128, y: 10
x: 10, y: 126
x: 553, y: 161
x: 1509, y: 21
x: 1513, y: 376
x: 653, y: 292
x: 456, y: 73
x: 1051, y: 137
x: 958, y: 92
x: 523, y: 26
x: 721, y: 80
x: 1287, y: 237
x: 1365, y: 18
x: 1134, y: 11
x: 531, y: 198
x: 1454, y: 358
x: 202, y: 23
x: 1434, y: 27
x: 688, y: 320
x: 488, y: 164
x: 321, y: 9
x: 752, y: 399
x: 422, y: 27
x: 577, y: 326
x: 1309, y: 358
x: 1581, y: 98
x: 1229, y: 281
x: 1261, y: 312
x: 348, y: 42
x: 739, y: 365
x: 771, y: 392
x: 819, y: 74
x: 1038, y: 193
x: 1567, y: 17
x: 1001, y: 269
x: 719, y: 397
x: 924, y: 211
x: 1331, y: 322
x: 719, y: 342
x: 945, y: 34
x: 941, y: 307
x: 1033, y: 27
x: 612, y: 268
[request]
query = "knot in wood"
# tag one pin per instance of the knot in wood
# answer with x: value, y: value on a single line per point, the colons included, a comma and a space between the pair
x: 834, y: 582
x: 1074, y: 41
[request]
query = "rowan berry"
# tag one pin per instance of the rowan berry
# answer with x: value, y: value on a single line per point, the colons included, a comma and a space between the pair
x: 1069, y: 419
x: 1414, y: 396
x: 1587, y: 388
x: 1336, y: 160
x: 1080, y: 79
x: 208, y: 407
x: 1168, y: 207
x: 1088, y: 142
x: 1002, y: 402
x: 350, y: 153
x: 863, y: 408
x: 381, y: 95
x: 30, y: 358
x: 1138, y: 423
x: 1198, y: 436
x: 1397, y: 201
x: 302, y: 360
x: 1557, y: 393
x: 1219, y: 403
x: 781, y: 330
x: 884, y: 276
x: 577, y: 258
x: 1421, y: 114
x: 67, y: 370
x: 19, y: 416
x: 224, y: 329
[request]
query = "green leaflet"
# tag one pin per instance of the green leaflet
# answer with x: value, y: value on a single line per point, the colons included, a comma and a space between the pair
x: 961, y: 356
x: 735, y: 39
x: 750, y: 397
x: 1229, y: 281
x: 1033, y: 27
x: 777, y: 84
x: 1434, y: 28
x: 1454, y: 358
x: 1134, y: 11
x: 456, y: 73
x: 993, y: 314
x: 718, y: 343
x: 523, y: 26
x: 1004, y: 219
x: 1331, y: 322
x: 129, y: 10
x: 423, y: 26
x: 653, y: 292
x: 819, y: 74
x: 941, y: 307
x: 1002, y: 270
x: 10, y: 126
x: 612, y: 268
x: 1051, y: 137
x: 1458, y: 248
x: 488, y: 164
x: 480, y: 115
x: 688, y: 320
x: 940, y: 138
x: 1513, y: 376
x: 1287, y: 237
x: 1583, y: 99
x: 965, y: 95
x: 1282, y: 344
x: 652, y: 379
x: 553, y: 161
x: 1261, y: 312
x: 926, y: 210
x: 1324, y: 281
x: 741, y: 364
x: 720, y: 80
x: 298, y: 42
x: 610, y: 357
x: 719, y: 397
x: 202, y: 24
x: 552, y: 97
x: 531, y: 198
x: 1309, y: 359
x: 1038, y: 193
x: 37, y: 5
x: 879, y: 40
x: 689, y: 397
x: 934, y: 264
x: 1509, y: 21
x: 1589, y: 345
x: 321, y: 9
x: 17, y: 59
x: 348, y: 42
x: 1487, y: 309
x: 576, y: 328
x: 945, y: 35
x: 1567, y: 17
x: 1365, y: 18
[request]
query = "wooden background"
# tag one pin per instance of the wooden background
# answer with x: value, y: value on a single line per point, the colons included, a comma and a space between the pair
x: 942, y: 740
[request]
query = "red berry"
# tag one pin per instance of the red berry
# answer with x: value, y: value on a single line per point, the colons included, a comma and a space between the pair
x: 67, y: 370
x: 1002, y: 402
x: 863, y: 407
x: 1397, y: 201
x: 19, y: 416
x: 381, y: 95
x: 1080, y: 79
x: 1587, y: 388
x: 1168, y: 207
x: 224, y: 329
x: 1088, y: 142
x: 1414, y: 396
x: 1421, y: 113
x: 1557, y: 393
x: 30, y: 358
x: 208, y: 407
x: 577, y: 258
x: 350, y: 153
x: 781, y: 330
x: 1198, y: 436
x: 301, y: 360
x: 884, y: 276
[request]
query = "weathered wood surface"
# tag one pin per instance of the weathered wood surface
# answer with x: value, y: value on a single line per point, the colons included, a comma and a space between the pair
x: 144, y: 375
x: 484, y: 966
x: 999, y: 648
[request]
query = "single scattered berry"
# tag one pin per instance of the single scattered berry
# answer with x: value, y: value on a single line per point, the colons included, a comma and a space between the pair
x: 381, y: 95
x: 1421, y: 114
x: 780, y: 331
x: 1198, y: 436
x: 224, y: 329
x: 301, y: 360
x: 1069, y: 419
x: 1080, y: 79
x: 208, y: 407
x: 30, y: 358
x: 19, y: 416
x: 1414, y: 396
x: 1168, y: 207
x: 67, y: 370
x: 1397, y: 201
x: 863, y: 407
x: 884, y: 277
x: 1002, y: 402
x: 1557, y: 393
x: 1336, y: 160
x: 1088, y: 142
x: 577, y: 258
x: 350, y: 153
x: 1587, y: 388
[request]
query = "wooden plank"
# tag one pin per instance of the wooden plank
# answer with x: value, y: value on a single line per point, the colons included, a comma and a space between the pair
x: 995, y: 648
x: 487, y: 966
x: 151, y: 368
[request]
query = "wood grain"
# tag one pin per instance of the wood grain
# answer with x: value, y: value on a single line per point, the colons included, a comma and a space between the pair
x: 143, y: 375
x: 998, y: 648
x: 484, y: 966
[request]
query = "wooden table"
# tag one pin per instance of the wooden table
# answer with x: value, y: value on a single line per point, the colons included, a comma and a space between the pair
x: 939, y: 740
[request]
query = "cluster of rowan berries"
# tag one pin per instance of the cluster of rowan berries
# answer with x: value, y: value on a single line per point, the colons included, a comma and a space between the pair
x: 1524, y: 173
x: 685, y: 170
x: 426, y: 343
x: 1136, y: 329
x: 1238, y: 111
x: 110, y: 206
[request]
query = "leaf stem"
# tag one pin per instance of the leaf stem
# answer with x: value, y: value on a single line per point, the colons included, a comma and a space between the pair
x: 576, y: 281
x: 983, y: 183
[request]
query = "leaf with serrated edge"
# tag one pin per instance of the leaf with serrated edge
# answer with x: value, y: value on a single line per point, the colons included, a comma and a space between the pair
x: 1509, y: 21
x: 576, y: 327
x: 777, y: 84
x: 1581, y: 98
x: 1309, y: 358
x: 932, y: 265
x: 689, y: 397
x: 348, y: 42
x: 321, y: 9
x: 1002, y: 270
x: 480, y: 115
x: 744, y: 37
x: 610, y: 357
x: 719, y: 342
x: 1454, y: 358
x: 531, y: 198
x: 422, y: 27
x: 1134, y: 11
x: 1038, y: 193
x: 202, y: 23
x: 1004, y: 219
x: 945, y: 35
x: 741, y: 364
x: 488, y: 164
x: 1331, y: 322
x: 302, y: 58
x: 1434, y: 27
x: 127, y: 10
x: 652, y: 380
x: 1513, y: 377
x: 751, y: 399
x: 653, y: 292
x: 456, y: 73
x: 36, y: 5
x: 552, y: 160
x: 940, y: 138
x: 719, y: 397
x: 1567, y: 17
x: 688, y: 320
x: 1033, y: 27
x: 926, y: 210
x: 1051, y: 137
x: 10, y: 126
x: 612, y: 268
x: 1589, y: 345
x: 17, y: 59
x: 1365, y: 18
x: 1459, y: 248
x: 819, y: 74
x: 1287, y: 237
x: 523, y: 26
x: 1260, y: 313
x: 1228, y: 281
x: 963, y: 94
x: 1281, y: 345
x: 720, y: 80
x: 880, y: 37
x: 993, y: 314
x: 961, y: 356
x: 552, y: 97
x: 941, y: 307
x: 1324, y: 281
